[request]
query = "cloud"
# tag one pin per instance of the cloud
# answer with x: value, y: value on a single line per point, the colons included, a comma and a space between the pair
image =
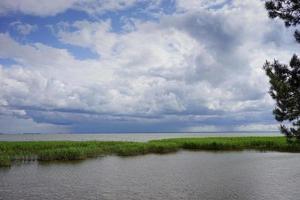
x: 35, y: 7
x: 98, y: 7
x: 204, y: 128
x: 53, y: 7
x: 34, y: 55
x: 11, y: 124
x: 258, y: 127
x: 195, y: 68
x: 23, y: 28
x: 191, y: 5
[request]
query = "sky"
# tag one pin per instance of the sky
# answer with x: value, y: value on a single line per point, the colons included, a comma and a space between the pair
x: 86, y: 66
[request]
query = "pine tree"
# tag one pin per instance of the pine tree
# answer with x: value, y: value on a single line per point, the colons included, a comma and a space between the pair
x: 285, y: 89
x: 285, y: 79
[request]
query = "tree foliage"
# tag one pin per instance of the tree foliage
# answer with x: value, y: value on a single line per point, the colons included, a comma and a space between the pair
x: 285, y: 89
x: 285, y: 79
x: 287, y: 10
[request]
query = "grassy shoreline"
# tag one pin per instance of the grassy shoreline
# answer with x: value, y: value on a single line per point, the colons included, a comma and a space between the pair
x: 79, y: 150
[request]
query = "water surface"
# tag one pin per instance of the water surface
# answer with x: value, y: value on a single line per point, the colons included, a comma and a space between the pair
x: 183, y: 175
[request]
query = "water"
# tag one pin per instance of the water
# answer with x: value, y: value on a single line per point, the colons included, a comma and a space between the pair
x: 122, y: 137
x: 183, y: 175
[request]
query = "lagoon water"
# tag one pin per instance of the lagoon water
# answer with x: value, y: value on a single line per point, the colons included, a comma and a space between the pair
x: 123, y: 137
x: 184, y: 175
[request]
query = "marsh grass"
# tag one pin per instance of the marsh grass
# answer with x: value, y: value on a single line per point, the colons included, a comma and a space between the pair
x: 72, y: 150
x: 5, y: 161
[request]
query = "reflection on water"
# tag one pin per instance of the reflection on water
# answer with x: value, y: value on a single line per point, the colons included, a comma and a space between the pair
x: 183, y: 175
x: 123, y: 137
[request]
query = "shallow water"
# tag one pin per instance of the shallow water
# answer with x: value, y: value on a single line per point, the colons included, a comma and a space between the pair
x: 122, y: 137
x: 183, y: 175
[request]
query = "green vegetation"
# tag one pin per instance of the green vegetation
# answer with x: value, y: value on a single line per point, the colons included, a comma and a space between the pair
x: 285, y: 79
x: 73, y: 150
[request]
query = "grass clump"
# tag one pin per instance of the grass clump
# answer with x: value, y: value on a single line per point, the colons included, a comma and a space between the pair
x: 5, y: 161
x: 71, y: 150
x: 130, y: 149
x: 61, y: 154
x: 163, y: 147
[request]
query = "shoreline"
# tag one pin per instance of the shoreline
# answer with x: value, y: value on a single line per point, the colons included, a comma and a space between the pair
x: 79, y: 150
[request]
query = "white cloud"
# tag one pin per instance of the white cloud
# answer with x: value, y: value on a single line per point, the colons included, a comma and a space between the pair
x: 35, y: 7
x: 95, y: 6
x: 258, y: 127
x: 190, y: 5
x: 23, y: 28
x: 204, y: 128
x: 53, y: 7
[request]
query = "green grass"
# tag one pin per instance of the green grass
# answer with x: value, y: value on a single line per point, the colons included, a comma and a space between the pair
x: 72, y: 150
